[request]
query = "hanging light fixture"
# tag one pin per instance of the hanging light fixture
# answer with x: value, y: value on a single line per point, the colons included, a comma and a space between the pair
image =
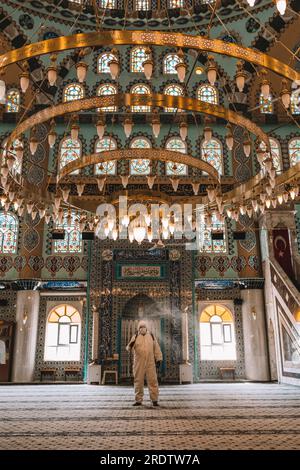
x: 65, y: 194
x: 280, y: 198
x: 24, y: 81
x: 114, y: 66
x: 285, y: 196
x: 251, y: 3
x: 81, y: 69
x: 42, y: 212
x: 211, y: 193
x: 281, y: 6
x: 175, y: 183
x: 212, y: 70
x: 150, y: 181
x: 268, y: 163
x: 52, y: 135
x: 247, y: 147
x: 260, y: 155
x: 148, y: 68
x: 10, y: 161
x: 75, y: 129
x: 21, y: 211
x: 29, y: 206
x: 195, y: 187
x: 285, y: 94
x: 33, y: 142
x: 207, y: 134
x: 128, y: 126
x: 57, y: 201
x: 100, y: 127
x: 125, y: 179
x: 150, y: 234
x: 181, y: 66
x: 80, y: 188
x: 240, y: 76
x: 125, y: 220
x: 229, y: 138
x: 52, y: 71
x: 2, y: 90
x: 265, y: 85
x: 139, y: 233
x: 183, y: 130
x: 100, y: 183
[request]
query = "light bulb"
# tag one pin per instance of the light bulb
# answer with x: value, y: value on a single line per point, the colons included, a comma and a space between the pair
x: 100, y: 127
x: 52, y: 75
x: 175, y: 183
x: 128, y: 127
x: 265, y: 89
x: 281, y: 6
x: 2, y: 90
x: 100, y: 183
x: 150, y: 181
x: 285, y: 98
x: 33, y: 143
x: 195, y: 187
x: 156, y: 128
x: 280, y: 198
x: 52, y: 138
x: 229, y: 141
x: 139, y: 233
x: 74, y: 132
x: 247, y: 147
x: 125, y: 220
x: 212, y: 75
x: 80, y: 188
x: 124, y: 179
x: 150, y: 234
x: 251, y: 3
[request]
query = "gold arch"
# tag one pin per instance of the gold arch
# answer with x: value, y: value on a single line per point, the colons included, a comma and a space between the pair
x: 131, y: 154
x: 157, y: 38
x: 127, y: 99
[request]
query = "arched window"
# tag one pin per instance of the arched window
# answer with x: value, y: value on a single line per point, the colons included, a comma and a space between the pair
x: 142, y: 5
x: 176, y: 3
x: 138, y: 56
x: 275, y: 153
x: 177, y: 145
x: 295, y: 103
x: 173, y: 90
x: 103, y: 145
x: 265, y: 104
x: 70, y: 150
x: 104, y: 90
x: 217, y: 339
x: 206, y: 243
x: 12, y: 101
x: 17, y: 166
x: 140, y: 166
x: 63, y: 334
x: 110, y: 4
x: 294, y: 151
x: 103, y: 62
x: 74, y: 91
x: 140, y: 89
x: 212, y: 153
x: 207, y: 93
x: 170, y: 62
x: 72, y: 243
x: 9, y: 227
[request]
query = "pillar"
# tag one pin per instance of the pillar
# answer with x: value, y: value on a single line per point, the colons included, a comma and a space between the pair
x: 255, y: 340
x: 185, y: 336
x: 95, y: 341
x: 27, y: 315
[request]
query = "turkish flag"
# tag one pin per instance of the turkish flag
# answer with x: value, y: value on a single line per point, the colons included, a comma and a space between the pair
x: 282, y: 250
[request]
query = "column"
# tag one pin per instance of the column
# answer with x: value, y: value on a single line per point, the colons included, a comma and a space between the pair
x: 95, y: 341
x: 27, y: 315
x: 185, y: 336
x: 254, y: 328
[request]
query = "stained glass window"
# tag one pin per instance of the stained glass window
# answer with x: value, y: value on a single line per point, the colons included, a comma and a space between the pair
x: 205, y: 241
x: 104, y: 60
x: 170, y: 62
x: 295, y: 103
x: 265, y: 104
x: 9, y: 226
x: 103, y: 145
x: 212, y: 153
x: 207, y: 93
x: 63, y: 334
x: 275, y: 153
x: 294, y: 151
x: 138, y: 56
x: 173, y: 90
x: 104, y: 90
x: 176, y: 3
x: 176, y: 169
x: 141, y: 89
x: 142, y: 5
x: 140, y: 166
x: 72, y: 242
x: 17, y: 166
x: 74, y: 91
x: 111, y: 4
x: 70, y: 150
x: 13, y: 101
x: 217, y: 337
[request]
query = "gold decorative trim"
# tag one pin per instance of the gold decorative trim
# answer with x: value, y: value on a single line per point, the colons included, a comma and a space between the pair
x: 131, y: 154
x: 127, y: 99
x: 157, y: 38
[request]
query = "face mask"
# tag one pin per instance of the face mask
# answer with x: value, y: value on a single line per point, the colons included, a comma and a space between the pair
x: 143, y: 330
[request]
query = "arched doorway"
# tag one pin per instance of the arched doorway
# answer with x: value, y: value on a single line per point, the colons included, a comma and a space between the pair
x: 139, y: 307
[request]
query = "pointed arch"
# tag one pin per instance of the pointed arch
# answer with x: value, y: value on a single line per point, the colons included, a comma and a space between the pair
x: 102, y: 145
x: 140, y: 166
x: 207, y: 93
x: 212, y: 153
x: 73, y: 91
x: 176, y: 144
x: 138, y: 56
x: 9, y: 229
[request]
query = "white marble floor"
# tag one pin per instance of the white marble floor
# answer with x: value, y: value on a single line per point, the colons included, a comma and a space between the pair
x: 199, y: 416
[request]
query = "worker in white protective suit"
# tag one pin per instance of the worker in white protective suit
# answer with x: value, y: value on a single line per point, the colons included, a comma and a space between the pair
x: 147, y: 356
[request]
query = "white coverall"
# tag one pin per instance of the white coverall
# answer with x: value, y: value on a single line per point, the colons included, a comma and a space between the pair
x: 146, y: 353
